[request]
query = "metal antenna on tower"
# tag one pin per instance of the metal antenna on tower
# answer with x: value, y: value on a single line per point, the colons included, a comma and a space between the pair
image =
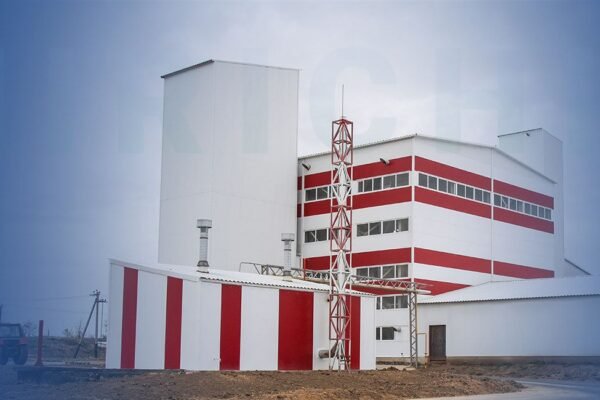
x: 342, y: 100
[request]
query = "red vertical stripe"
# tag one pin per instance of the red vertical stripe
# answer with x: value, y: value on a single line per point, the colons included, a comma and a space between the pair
x: 128, y: 333
x: 295, y: 344
x: 173, y: 323
x: 354, y: 353
x: 231, y: 324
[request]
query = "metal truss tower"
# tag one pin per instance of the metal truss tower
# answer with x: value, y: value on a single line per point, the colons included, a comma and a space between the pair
x: 340, y: 244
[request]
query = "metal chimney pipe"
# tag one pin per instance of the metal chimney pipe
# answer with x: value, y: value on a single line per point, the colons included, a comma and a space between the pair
x: 204, y: 225
x: 287, y: 239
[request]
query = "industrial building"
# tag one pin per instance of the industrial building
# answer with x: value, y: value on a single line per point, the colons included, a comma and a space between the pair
x: 374, y: 224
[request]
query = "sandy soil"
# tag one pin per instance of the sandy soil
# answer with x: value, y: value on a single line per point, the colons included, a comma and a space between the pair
x: 389, y: 384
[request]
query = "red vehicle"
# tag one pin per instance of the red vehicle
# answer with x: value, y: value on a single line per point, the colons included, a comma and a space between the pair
x: 13, y: 344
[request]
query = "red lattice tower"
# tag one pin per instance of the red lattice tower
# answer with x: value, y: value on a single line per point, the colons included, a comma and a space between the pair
x: 340, y: 244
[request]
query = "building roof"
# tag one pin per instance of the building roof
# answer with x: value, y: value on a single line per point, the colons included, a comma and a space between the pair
x: 211, y: 61
x: 406, y: 137
x: 522, y: 289
x: 190, y: 273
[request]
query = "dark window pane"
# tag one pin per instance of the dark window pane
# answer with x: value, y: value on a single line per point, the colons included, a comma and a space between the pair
x: 388, y: 271
x: 486, y: 197
x: 362, y: 229
x: 321, y: 235
x: 377, y: 330
x: 402, y: 271
x: 402, y: 180
x: 505, y: 202
x: 362, y: 271
x: 432, y: 183
x: 422, y: 180
x: 375, y: 228
x: 323, y: 192
x: 377, y: 184
x: 469, y: 192
x: 443, y: 185
x: 401, y: 301
x: 389, y: 182
x: 387, y: 303
x: 368, y: 185
x: 527, y: 208
x: 548, y: 214
x: 360, y: 187
x: 519, y: 206
x: 389, y: 226
x: 452, y: 187
x: 534, y: 210
x: 460, y: 190
x: 497, y: 201
x: 402, y: 225
x: 309, y: 236
x: 387, y: 333
x: 311, y: 194
x: 478, y: 195
x: 374, y: 272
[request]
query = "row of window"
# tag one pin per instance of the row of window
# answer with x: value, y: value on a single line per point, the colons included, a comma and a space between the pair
x: 382, y: 227
x: 383, y: 182
x: 385, y: 271
x: 455, y: 188
x: 392, y: 302
x: 385, y: 332
x: 523, y: 207
x: 316, y: 235
x: 318, y: 193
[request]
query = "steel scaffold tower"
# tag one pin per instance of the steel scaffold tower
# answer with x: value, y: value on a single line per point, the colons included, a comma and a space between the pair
x: 340, y: 244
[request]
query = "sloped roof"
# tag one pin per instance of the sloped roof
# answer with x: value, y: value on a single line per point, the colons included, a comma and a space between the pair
x: 225, y: 276
x: 522, y: 289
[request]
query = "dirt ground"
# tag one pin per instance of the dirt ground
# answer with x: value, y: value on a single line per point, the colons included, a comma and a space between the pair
x: 388, y: 384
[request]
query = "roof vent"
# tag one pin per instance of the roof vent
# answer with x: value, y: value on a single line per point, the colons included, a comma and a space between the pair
x: 287, y: 239
x: 204, y: 225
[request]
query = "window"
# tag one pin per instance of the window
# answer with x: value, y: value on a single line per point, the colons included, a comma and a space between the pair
x: 423, y: 180
x: 388, y: 302
x: 385, y: 333
x: 360, y: 187
x: 519, y: 206
x: 497, y: 200
x: 402, y: 271
x: 432, y: 182
x: 486, y: 197
x: 389, y: 226
x: 311, y: 194
x: 323, y: 193
x: 504, y: 200
x: 469, y: 191
x: 548, y: 213
x: 478, y: 194
x: 368, y: 185
x: 442, y: 185
x: 534, y: 210
x: 402, y: 225
x: 375, y: 228
x: 377, y: 184
x: 384, y: 272
x: 527, y: 208
x: 402, y: 301
x: 362, y: 272
x: 317, y: 235
x: 460, y: 190
x: 388, y: 272
x: 452, y: 187
x: 374, y: 272
x: 389, y: 182
x: 402, y: 179
x: 362, y: 230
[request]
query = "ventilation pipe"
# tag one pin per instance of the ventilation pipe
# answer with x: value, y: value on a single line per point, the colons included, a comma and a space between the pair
x: 204, y: 225
x: 287, y: 239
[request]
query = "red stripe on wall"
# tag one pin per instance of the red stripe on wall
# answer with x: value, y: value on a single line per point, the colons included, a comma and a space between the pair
x: 231, y: 326
x: 295, y: 343
x: 128, y: 326
x: 382, y: 198
x: 439, y: 287
x: 449, y: 260
x: 521, y: 271
x: 378, y: 257
x: 359, y: 172
x: 317, y: 207
x: 378, y: 168
x: 450, y: 202
x: 452, y: 173
x: 318, y: 179
x: 527, y: 221
x: 299, y: 183
x: 173, y: 323
x: 523, y: 194
x: 355, y: 332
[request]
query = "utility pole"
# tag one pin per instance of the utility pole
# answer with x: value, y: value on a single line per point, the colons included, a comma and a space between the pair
x: 97, y: 301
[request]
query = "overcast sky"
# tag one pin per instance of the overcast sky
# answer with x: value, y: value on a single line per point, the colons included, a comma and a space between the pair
x: 81, y: 109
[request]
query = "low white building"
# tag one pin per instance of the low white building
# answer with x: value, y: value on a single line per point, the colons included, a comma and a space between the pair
x: 536, y: 318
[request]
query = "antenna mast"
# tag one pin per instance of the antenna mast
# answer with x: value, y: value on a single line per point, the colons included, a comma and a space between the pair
x: 340, y: 241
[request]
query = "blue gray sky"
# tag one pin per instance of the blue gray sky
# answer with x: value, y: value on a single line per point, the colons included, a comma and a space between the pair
x: 81, y: 109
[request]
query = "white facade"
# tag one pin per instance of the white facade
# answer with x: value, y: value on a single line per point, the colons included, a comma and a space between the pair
x: 229, y: 154
x: 173, y: 317
x: 538, y: 319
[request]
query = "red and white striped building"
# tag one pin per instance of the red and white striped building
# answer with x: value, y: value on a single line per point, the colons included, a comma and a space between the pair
x: 166, y: 317
x: 440, y: 212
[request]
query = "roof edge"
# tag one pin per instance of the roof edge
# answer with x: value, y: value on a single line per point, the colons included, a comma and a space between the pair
x: 212, y: 61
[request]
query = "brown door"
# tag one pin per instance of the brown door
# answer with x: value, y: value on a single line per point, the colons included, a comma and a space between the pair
x: 437, y: 342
